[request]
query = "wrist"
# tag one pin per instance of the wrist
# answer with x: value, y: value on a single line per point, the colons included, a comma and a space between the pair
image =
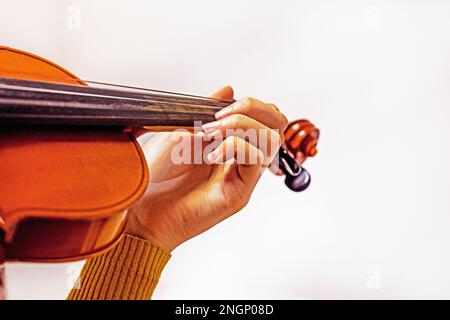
x: 136, y: 229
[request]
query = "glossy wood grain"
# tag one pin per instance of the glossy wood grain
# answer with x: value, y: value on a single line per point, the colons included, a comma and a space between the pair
x: 65, y: 191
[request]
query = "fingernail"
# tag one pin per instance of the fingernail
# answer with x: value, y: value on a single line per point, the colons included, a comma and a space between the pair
x: 212, y: 156
x: 217, y: 134
x: 211, y: 126
x: 226, y: 111
x: 200, y: 134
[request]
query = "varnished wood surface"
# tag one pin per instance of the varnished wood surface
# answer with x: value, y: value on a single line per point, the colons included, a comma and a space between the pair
x: 64, y: 191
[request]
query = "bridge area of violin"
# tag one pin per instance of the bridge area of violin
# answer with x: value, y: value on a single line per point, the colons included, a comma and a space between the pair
x: 64, y: 192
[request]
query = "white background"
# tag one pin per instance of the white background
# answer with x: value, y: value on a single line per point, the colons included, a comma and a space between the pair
x: 373, y: 75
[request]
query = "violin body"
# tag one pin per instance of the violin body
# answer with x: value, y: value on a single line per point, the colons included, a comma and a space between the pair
x: 65, y: 191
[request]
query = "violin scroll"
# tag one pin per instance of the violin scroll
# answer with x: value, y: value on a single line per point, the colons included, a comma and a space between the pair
x: 301, y: 138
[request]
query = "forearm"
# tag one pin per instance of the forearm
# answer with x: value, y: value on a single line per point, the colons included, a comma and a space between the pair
x: 130, y: 271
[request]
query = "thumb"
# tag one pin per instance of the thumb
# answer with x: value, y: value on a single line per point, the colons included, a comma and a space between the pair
x: 225, y: 93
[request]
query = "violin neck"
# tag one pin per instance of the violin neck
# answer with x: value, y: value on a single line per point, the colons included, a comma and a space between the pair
x: 38, y: 103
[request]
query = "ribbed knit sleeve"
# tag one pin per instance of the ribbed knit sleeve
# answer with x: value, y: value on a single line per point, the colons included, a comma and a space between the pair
x: 130, y: 271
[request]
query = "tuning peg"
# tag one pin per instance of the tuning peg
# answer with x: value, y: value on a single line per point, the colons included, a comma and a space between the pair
x: 287, y: 163
x: 301, y: 138
x: 299, y: 182
x: 297, y: 178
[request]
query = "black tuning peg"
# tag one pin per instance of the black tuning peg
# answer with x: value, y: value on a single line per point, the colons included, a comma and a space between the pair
x: 288, y: 164
x: 297, y: 178
x: 299, y: 182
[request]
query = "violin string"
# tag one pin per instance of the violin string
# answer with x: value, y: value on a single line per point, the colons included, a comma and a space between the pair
x: 175, y: 94
x: 117, y: 93
x: 119, y: 97
x: 156, y: 91
x: 28, y: 89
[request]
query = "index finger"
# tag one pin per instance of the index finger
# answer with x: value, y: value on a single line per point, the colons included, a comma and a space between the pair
x: 265, y: 113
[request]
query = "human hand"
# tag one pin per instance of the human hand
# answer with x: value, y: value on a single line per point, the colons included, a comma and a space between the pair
x: 184, y: 200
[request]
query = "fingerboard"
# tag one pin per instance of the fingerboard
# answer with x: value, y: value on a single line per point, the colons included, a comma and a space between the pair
x: 25, y: 102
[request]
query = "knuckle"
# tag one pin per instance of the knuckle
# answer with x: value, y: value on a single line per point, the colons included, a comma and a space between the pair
x: 228, y: 140
x: 242, y: 121
x: 238, y: 142
x: 281, y: 140
x: 232, y: 141
x: 284, y: 121
x: 238, y: 120
x: 273, y: 106
x: 248, y: 102
x: 229, y: 121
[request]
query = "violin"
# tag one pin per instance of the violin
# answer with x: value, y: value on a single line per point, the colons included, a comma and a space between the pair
x: 69, y: 166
